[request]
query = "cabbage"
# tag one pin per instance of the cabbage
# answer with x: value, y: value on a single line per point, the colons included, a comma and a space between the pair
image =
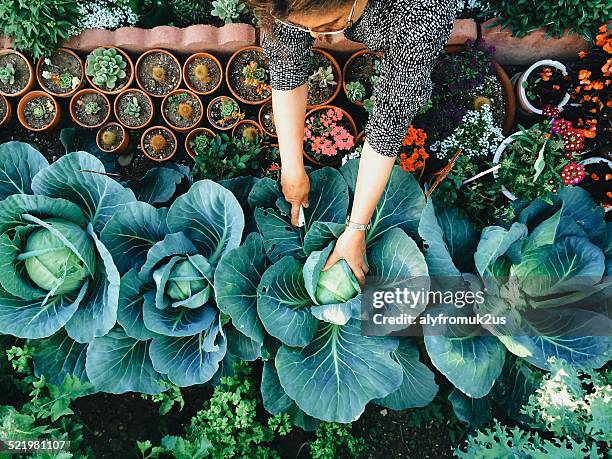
x: 185, y: 281
x: 337, y: 284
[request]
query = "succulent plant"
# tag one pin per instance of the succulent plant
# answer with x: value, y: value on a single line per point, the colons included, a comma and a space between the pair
x: 39, y: 110
x: 133, y: 107
x: 202, y: 73
x: 228, y: 10
x: 368, y: 104
x: 228, y: 107
x: 158, y: 73
x: 92, y: 108
x: 185, y: 110
x: 356, y: 91
x: 7, y: 74
x: 254, y: 75
x: 106, y: 66
x: 108, y: 137
x: 158, y: 142
x: 324, y: 77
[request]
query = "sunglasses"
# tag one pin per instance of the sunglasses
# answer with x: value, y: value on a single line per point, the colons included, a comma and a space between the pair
x: 349, y: 24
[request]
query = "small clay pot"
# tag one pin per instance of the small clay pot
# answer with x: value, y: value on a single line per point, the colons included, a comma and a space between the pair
x: 130, y: 77
x: 117, y: 111
x: 337, y: 71
x: 167, y: 134
x: 77, y: 97
x: 260, y: 117
x: 198, y: 106
x: 253, y: 124
x: 81, y: 76
x: 121, y: 146
x: 33, y: 95
x: 8, y: 113
x: 351, y: 122
x: 187, y: 80
x: 228, y: 76
x: 192, y: 135
x: 31, y: 78
x: 143, y: 86
x: 211, y: 119
x: 347, y: 66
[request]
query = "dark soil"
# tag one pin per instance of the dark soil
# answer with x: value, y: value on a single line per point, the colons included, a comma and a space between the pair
x: 243, y: 128
x: 267, y: 119
x: 3, y: 109
x: 542, y: 92
x: 49, y: 112
x: 170, y: 81
x: 362, y: 69
x: 118, y: 137
x: 61, y: 63
x: 165, y: 152
x: 22, y: 73
x: 203, y: 85
x: 236, y: 77
x: 316, y: 94
x: 49, y: 145
x: 95, y: 119
x: 175, y: 103
x: 215, y: 114
x: 598, y: 182
x: 145, y: 109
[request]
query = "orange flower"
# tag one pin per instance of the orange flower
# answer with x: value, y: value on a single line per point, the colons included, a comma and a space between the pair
x: 582, y: 54
x: 547, y: 136
x: 607, y: 68
x: 597, y: 85
x: 546, y: 73
x: 584, y: 75
x: 603, y: 28
x: 609, y: 103
x: 556, y: 87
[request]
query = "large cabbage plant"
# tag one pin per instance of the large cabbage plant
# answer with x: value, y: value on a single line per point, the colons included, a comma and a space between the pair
x: 548, y: 274
x: 319, y: 365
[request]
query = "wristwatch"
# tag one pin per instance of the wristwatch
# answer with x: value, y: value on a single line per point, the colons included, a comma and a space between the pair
x: 356, y: 226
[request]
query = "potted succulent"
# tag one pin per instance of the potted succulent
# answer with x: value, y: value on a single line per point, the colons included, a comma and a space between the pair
x: 224, y: 112
x: 545, y: 83
x: 182, y: 110
x: 158, y: 72
x: 134, y: 108
x: 360, y: 75
x: 329, y: 134
x: 266, y: 119
x: 248, y: 129
x: 16, y: 73
x: 158, y: 143
x: 61, y: 73
x: 109, y: 69
x: 248, y: 77
x: 195, y: 143
x: 325, y: 81
x: 38, y: 111
x: 6, y: 111
x: 112, y: 138
x: 203, y: 73
x: 90, y: 108
x: 598, y: 180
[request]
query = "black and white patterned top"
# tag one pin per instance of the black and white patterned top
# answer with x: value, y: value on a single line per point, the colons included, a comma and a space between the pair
x: 411, y: 33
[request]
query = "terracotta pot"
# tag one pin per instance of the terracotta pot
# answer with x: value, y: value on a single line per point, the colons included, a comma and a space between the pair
x: 32, y: 95
x: 227, y: 76
x: 360, y: 138
x: 153, y: 158
x: 346, y: 67
x: 260, y: 118
x: 337, y: 71
x: 511, y: 50
x: 31, y: 78
x: 119, y: 148
x: 130, y: 78
x: 125, y: 93
x: 348, y: 117
x: 196, y: 121
x: 253, y: 124
x: 8, y: 116
x: 186, y: 72
x: 40, y: 79
x: 192, y: 136
x: 154, y: 51
x: 76, y: 97
x: 209, y: 115
x: 524, y: 102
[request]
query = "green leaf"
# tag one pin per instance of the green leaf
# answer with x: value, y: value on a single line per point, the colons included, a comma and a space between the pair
x: 281, y: 239
x: 58, y: 356
x: 540, y: 163
x: 19, y: 163
x: 473, y: 411
x: 157, y: 186
x: 129, y: 311
x: 328, y: 198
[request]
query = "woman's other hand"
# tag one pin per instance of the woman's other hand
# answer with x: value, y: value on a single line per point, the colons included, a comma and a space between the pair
x: 351, y: 247
x: 296, y: 186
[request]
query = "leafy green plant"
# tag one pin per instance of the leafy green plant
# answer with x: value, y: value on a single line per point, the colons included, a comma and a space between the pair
x: 368, y: 104
x: 228, y: 10
x: 7, y: 74
x: 336, y: 440
x: 190, y: 12
x: 254, y: 75
x: 92, y: 108
x: 106, y: 67
x: 133, y: 107
x: 167, y: 400
x: 39, y: 26
x: 356, y: 91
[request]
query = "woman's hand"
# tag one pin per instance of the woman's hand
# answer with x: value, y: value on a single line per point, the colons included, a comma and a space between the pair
x: 351, y: 247
x: 296, y: 186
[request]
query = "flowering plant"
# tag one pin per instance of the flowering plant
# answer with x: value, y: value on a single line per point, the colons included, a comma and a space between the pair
x: 413, y: 155
x: 326, y: 135
x: 546, y: 86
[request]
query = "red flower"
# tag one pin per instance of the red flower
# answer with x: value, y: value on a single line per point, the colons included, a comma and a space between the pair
x: 573, y: 140
x: 573, y: 174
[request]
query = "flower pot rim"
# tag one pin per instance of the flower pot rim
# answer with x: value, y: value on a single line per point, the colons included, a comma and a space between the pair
x: 70, y: 93
x: 208, y: 115
x: 9, y: 111
x: 31, y: 78
x: 144, y: 150
x: 259, y: 117
x: 82, y: 92
x: 31, y: 95
x: 123, y: 94
x: 122, y: 145
x: 523, y: 78
x: 192, y: 134
x: 338, y: 71
x: 348, y: 117
x: 251, y: 122
x: 497, y: 159
x: 181, y: 91
x: 227, y: 75
x: 130, y: 65
x: 345, y: 68
x: 212, y: 58
x: 163, y: 51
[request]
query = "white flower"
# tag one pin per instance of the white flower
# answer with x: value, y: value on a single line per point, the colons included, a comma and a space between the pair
x: 106, y: 14
x: 75, y: 82
x: 46, y: 74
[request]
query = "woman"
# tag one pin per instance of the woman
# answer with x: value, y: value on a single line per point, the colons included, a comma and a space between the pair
x: 410, y: 33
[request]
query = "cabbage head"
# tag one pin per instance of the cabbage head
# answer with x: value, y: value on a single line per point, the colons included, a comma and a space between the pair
x: 337, y: 285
